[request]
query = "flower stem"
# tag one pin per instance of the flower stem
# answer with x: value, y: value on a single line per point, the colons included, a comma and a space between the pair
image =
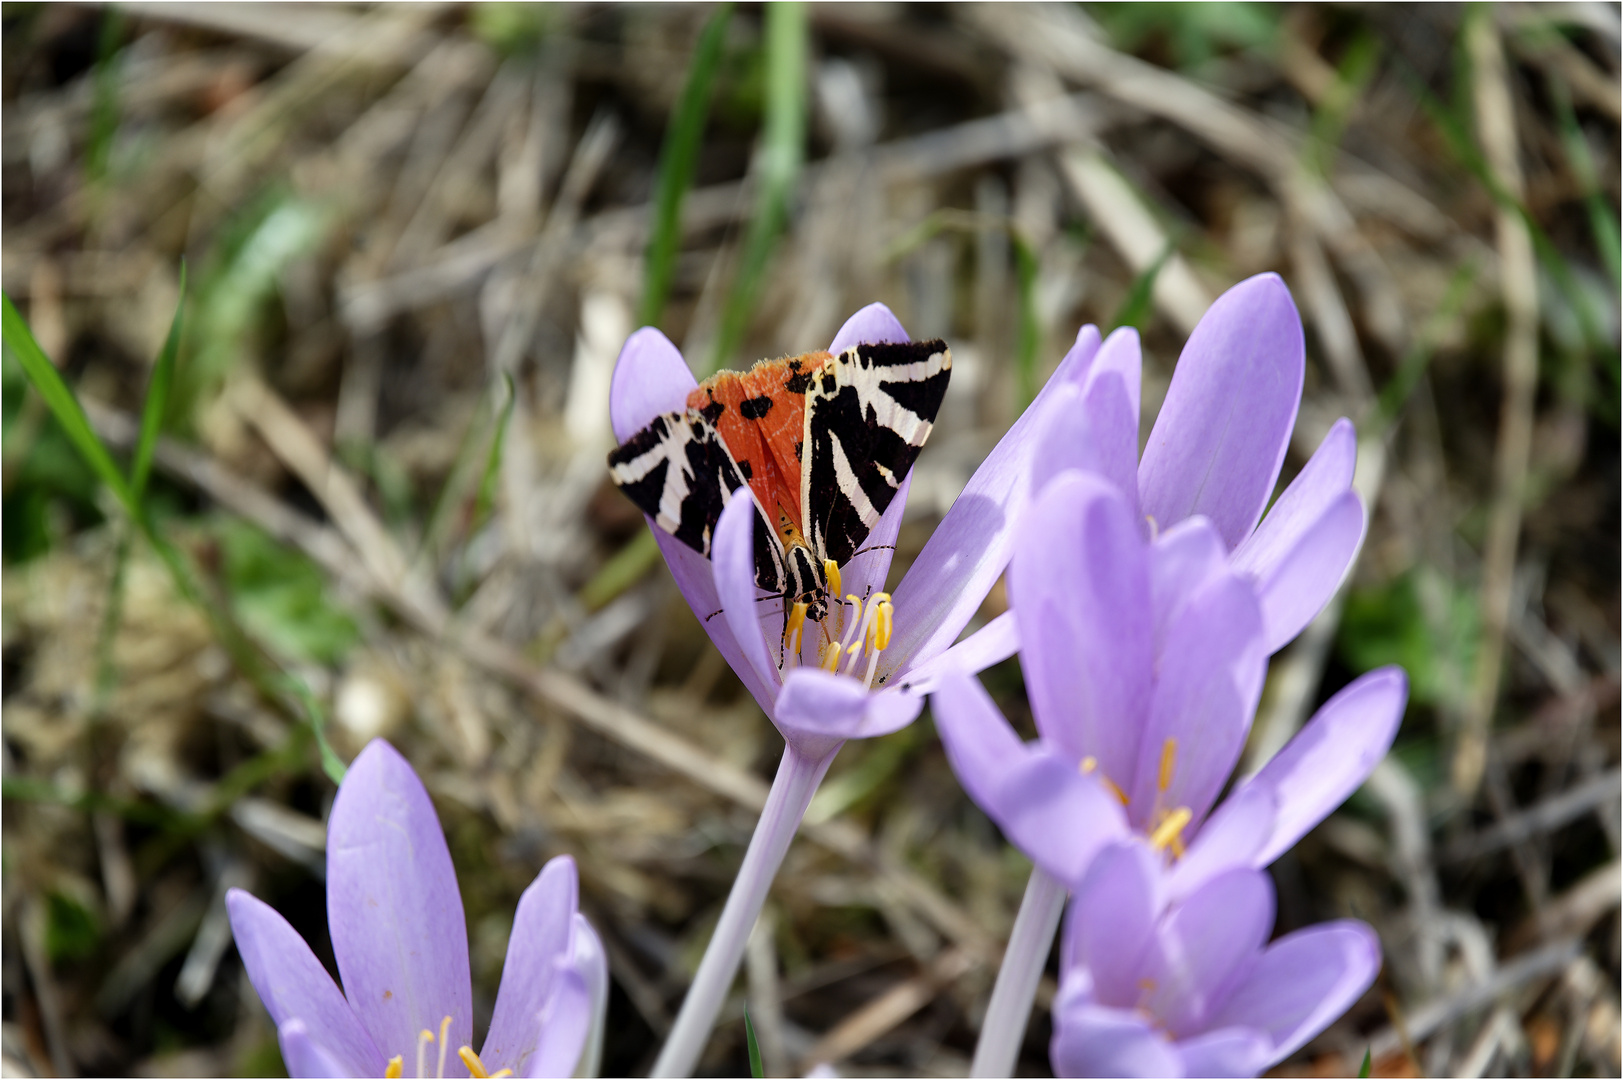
x: 1004, y: 1028
x: 792, y: 790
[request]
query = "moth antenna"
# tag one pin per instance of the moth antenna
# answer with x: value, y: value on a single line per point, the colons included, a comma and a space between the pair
x: 875, y: 547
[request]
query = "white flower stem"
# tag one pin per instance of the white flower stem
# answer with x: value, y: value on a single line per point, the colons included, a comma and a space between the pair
x: 1016, y: 988
x: 792, y: 790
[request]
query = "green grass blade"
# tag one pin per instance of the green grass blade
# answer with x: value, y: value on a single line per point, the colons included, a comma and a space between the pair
x: 1135, y: 307
x: 104, y: 106
x: 623, y: 570
x: 60, y: 400
x: 1602, y: 222
x: 493, y: 460
x: 1357, y: 67
x: 1028, y: 329
x: 157, y: 402
x: 1363, y: 1070
x: 756, y: 1069
x: 782, y: 151
x: 316, y: 718
x: 678, y: 159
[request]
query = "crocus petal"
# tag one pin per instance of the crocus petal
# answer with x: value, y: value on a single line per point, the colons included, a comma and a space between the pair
x: 538, y: 946
x: 1233, y: 836
x: 969, y: 549
x: 1333, y: 753
x: 865, y: 574
x: 732, y: 560
x: 1096, y: 428
x: 650, y: 378
x: 872, y: 325
x: 1229, y: 1052
x: 592, y: 963
x: 1210, y: 679
x: 1057, y: 816
x: 991, y: 644
x: 1326, y: 476
x: 1203, y: 942
x: 393, y: 907
x: 1302, y: 982
x: 1079, y: 587
x: 564, y: 1024
x: 1092, y: 1040
x: 1218, y: 443
x: 294, y: 986
x: 1182, y: 560
x: 302, y: 1056
x: 696, y: 579
x: 818, y: 710
x: 1297, y: 587
x: 1112, y: 920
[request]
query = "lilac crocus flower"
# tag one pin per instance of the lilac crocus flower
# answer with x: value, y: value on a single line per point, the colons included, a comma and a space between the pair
x: 1216, y: 449
x: 1143, y: 662
x: 395, y: 916
x: 884, y: 650
x: 1151, y: 987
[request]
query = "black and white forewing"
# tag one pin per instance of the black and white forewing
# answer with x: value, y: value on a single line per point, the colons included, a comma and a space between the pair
x: 867, y: 415
x: 678, y: 471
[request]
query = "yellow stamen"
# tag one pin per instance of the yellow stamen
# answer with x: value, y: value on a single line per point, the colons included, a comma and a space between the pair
x: 829, y: 657
x: 1090, y: 764
x: 794, y: 628
x: 445, y: 1033
x: 831, y: 570
x: 470, y: 1060
x: 395, y: 1067
x: 882, y: 635
x: 424, y: 1037
x: 1166, y: 833
x: 1169, y: 757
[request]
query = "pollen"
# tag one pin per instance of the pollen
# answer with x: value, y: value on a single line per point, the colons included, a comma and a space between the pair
x: 1168, y: 834
x: 831, y: 570
x: 395, y: 1067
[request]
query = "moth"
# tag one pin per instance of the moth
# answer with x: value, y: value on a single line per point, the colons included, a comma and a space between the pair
x: 822, y: 442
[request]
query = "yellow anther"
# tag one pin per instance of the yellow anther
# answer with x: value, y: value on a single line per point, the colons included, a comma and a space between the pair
x: 1167, y: 833
x: 882, y: 636
x: 1090, y: 764
x: 470, y: 1060
x: 856, y: 647
x: 424, y: 1037
x: 395, y: 1067
x: 829, y: 658
x: 445, y: 1033
x: 794, y: 627
x: 831, y: 570
x: 1169, y: 757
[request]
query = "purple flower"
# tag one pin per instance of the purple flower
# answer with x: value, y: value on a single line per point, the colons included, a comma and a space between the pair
x: 1150, y: 987
x: 1216, y: 449
x: 893, y: 643
x: 1143, y: 662
x: 395, y: 916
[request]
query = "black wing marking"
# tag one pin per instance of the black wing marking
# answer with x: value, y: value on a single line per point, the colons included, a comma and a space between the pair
x: 679, y: 472
x: 867, y: 415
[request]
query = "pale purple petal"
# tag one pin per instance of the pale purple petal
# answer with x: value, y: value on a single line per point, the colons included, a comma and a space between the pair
x: 1079, y: 587
x: 393, y: 907
x: 1333, y: 753
x: 302, y: 1056
x: 1218, y: 443
x: 991, y: 644
x: 1233, y: 836
x: 817, y: 711
x: 732, y: 560
x: 969, y: 549
x: 1302, y: 982
x: 1091, y: 1040
x: 1326, y: 476
x: 1204, y: 942
x: 1296, y: 588
x: 1210, y: 677
x: 1182, y: 561
x: 294, y: 986
x: 696, y: 579
x: 1078, y: 359
x: 1111, y: 922
x: 1045, y: 807
x: 1227, y: 1052
x: 650, y: 378
x: 1095, y: 428
x: 592, y: 964
x: 872, y: 325
x: 564, y: 1023
x: 538, y: 946
x: 865, y: 574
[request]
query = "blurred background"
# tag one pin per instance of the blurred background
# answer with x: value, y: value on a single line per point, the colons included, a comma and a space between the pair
x: 413, y: 240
